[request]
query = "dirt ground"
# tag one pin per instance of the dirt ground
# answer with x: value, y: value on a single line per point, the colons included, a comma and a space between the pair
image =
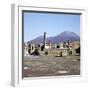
x: 35, y: 66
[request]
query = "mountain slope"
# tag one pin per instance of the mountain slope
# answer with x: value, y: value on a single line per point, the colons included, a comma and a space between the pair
x: 62, y: 37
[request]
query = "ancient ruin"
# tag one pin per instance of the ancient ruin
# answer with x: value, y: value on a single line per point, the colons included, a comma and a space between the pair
x: 62, y: 49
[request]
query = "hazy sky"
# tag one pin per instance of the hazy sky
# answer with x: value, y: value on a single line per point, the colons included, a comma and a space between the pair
x: 35, y: 24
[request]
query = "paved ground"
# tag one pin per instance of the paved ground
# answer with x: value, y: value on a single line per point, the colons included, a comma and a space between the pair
x: 35, y: 66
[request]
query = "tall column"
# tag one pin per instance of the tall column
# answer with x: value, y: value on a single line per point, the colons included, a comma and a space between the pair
x: 44, y: 40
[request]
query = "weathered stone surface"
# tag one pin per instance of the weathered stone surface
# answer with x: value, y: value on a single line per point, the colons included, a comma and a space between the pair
x: 51, y: 66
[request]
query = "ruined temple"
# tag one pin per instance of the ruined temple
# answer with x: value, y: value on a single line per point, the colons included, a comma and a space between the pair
x: 52, y: 49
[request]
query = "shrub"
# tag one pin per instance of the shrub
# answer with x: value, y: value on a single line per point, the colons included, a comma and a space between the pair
x: 58, y: 46
x: 46, y: 53
x: 36, y: 52
x: 78, y: 50
x: 70, y: 52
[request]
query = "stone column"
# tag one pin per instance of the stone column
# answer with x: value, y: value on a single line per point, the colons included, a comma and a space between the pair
x: 55, y: 46
x: 44, y: 40
x: 50, y: 44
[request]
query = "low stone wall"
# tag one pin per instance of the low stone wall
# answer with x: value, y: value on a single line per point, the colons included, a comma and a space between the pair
x: 57, y: 52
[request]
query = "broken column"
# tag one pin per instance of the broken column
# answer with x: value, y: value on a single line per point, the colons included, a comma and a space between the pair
x: 49, y: 44
x: 26, y: 50
x: 55, y: 46
x: 44, y: 40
